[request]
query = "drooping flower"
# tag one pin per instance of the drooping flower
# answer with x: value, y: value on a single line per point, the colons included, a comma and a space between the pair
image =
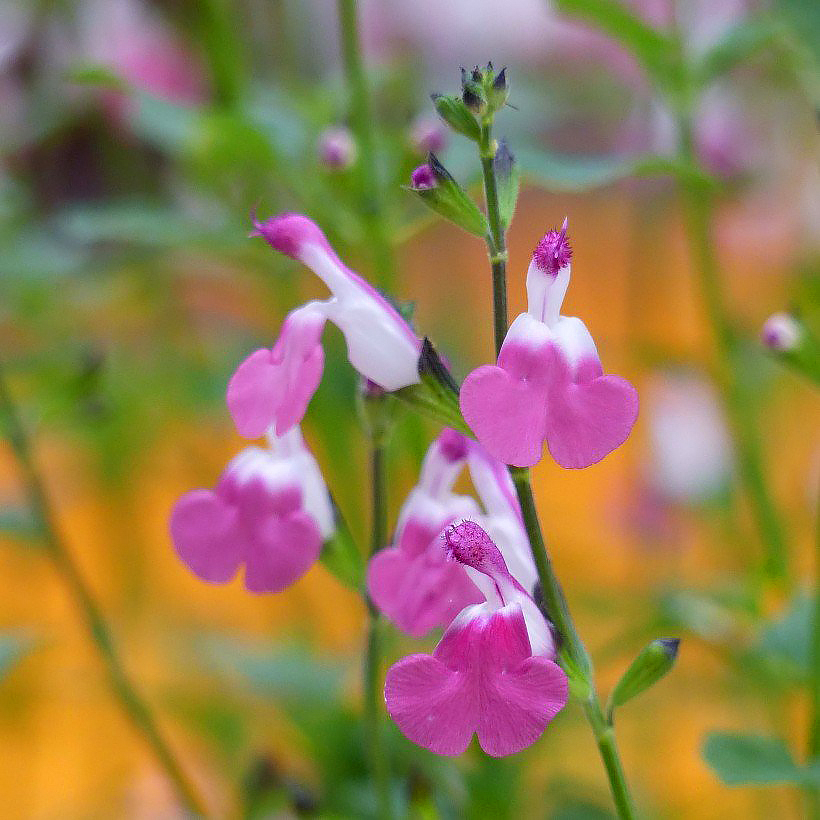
x: 548, y: 384
x: 274, y: 386
x: 491, y: 674
x: 411, y: 582
x: 270, y: 511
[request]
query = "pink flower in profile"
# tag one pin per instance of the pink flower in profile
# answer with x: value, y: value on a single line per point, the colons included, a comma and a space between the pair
x: 411, y: 582
x: 491, y: 674
x: 274, y: 386
x: 270, y: 511
x: 548, y: 384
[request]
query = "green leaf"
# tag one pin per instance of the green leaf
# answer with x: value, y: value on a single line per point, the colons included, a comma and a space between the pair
x: 786, y: 640
x: 448, y: 199
x: 741, y: 42
x: 509, y: 180
x: 96, y: 75
x: 655, y: 50
x: 754, y: 760
x: 648, y: 668
x: 456, y: 114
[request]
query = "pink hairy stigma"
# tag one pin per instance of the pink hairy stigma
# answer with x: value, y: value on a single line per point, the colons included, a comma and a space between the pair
x: 553, y: 252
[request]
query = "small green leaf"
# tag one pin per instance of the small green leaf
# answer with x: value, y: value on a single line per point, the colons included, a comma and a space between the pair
x: 753, y: 760
x: 509, y: 180
x: 786, y: 640
x: 456, y: 114
x: 448, y: 199
x: 96, y: 75
x: 648, y: 668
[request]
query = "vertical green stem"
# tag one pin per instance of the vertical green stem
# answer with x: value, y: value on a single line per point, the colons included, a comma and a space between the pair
x: 132, y: 703
x: 372, y: 206
x: 372, y: 673
x: 496, y: 241
x: 573, y: 654
x: 738, y: 398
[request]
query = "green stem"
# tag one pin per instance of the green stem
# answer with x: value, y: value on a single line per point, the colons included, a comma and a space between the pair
x: 738, y: 398
x: 99, y: 633
x: 573, y: 654
x: 371, y: 208
x: 379, y: 764
x: 496, y: 241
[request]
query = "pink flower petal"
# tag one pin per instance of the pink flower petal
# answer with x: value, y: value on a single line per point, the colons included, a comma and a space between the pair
x: 419, y: 592
x: 432, y: 705
x: 207, y: 537
x: 587, y: 421
x: 253, y: 393
x: 283, y: 550
x: 507, y: 415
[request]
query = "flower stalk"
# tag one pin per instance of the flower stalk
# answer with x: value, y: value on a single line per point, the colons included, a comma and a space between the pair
x: 573, y: 654
x: 99, y: 633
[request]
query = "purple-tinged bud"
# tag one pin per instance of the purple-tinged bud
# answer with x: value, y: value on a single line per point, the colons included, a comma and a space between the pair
x: 470, y: 545
x: 423, y: 178
x: 781, y: 333
x: 454, y: 446
x: 428, y: 135
x: 553, y: 252
x: 337, y: 148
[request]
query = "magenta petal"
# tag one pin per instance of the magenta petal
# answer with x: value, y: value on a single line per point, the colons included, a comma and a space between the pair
x: 253, y: 392
x: 281, y: 552
x: 508, y: 416
x: 586, y: 422
x: 299, y: 390
x: 519, y: 704
x: 419, y: 592
x: 206, y: 535
x: 433, y: 706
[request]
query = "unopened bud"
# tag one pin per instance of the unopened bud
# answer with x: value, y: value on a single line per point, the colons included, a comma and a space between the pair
x: 428, y: 135
x: 423, y: 178
x: 648, y: 668
x: 337, y: 148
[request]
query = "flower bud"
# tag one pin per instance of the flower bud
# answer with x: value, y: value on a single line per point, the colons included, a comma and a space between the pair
x: 337, y: 148
x: 428, y: 135
x: 498, y: 90
x: 648, y: 668
x: 456, y: 114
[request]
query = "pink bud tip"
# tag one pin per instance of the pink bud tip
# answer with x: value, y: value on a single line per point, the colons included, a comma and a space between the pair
x: 453, y: 445
x: 423, y: 178
x: 337, y: 148
x: 553, y: 252
x: 781, y: 333
x: 288, y: 232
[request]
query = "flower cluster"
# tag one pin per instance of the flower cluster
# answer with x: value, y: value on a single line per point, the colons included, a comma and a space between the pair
x: 456, y: 561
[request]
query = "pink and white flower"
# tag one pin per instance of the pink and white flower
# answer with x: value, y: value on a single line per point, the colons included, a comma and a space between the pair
x: 270, y: 511
x: 411, y: 582
x: 548, y: 384
x: 274, y: 386
x: 492, y: 673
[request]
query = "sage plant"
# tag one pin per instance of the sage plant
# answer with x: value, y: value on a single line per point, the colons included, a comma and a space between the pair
x: 477, y: 566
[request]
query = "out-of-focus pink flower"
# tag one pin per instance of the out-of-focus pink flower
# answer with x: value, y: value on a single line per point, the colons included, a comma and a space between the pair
x: 140, y: 48
x: 690, y: 455
x: 337, y: 148
x: 274, y: 386
x: 411, y: 582
x: 270, y: 511
x: 428, y: 135
x: 548, y: 384
x: 781, y: 333
x: 491, y: 674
